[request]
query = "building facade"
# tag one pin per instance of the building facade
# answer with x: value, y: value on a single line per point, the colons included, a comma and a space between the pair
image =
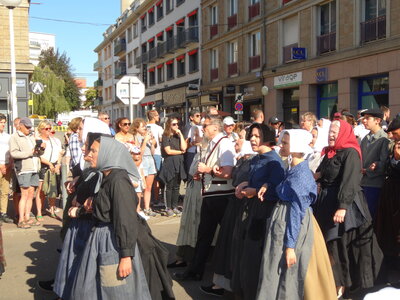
x: 325, y: 56
x: 158, y: 41
x: 24, y: 68
x: 37, y: 43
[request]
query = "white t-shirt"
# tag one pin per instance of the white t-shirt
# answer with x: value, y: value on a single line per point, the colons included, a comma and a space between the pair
x: 192, y: 135
x: 53, y: 149
x: 4, y: 148
x: 226, y: 150
x: 157, y: 132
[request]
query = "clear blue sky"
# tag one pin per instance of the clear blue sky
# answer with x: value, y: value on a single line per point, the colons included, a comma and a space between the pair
x: 76, y: 40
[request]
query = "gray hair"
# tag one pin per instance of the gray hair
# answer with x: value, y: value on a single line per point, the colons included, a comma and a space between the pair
x: 215, y: 120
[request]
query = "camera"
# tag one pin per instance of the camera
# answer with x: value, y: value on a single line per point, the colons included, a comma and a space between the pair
x: 38, y: 145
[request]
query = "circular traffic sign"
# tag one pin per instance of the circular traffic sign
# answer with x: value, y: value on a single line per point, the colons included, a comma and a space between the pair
x: 37, y: 88
x: 239, y: 106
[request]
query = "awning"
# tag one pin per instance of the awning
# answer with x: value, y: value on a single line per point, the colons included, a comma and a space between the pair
x: 180, y: 21
x: 160, y: 34
x: 170, y: 62
x: 169, y: 28
x: 147, y: 103
x: 143, y: 16
x: 151, y: 39
x: 160, y: 66
x: 180, y: 57
x: 152, y: 69
x: 193, y: 52
x: 159, y: 3
x: 151, y: 10
x: 192, y: 13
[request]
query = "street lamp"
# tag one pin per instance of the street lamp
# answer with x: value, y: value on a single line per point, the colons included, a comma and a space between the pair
x: 11, y: 4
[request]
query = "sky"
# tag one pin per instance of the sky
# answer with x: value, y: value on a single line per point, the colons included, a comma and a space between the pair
x: 76, y: 40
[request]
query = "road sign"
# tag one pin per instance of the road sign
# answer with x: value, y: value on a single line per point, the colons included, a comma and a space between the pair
x: 239, y: 106
x: 130, y: 88
x: 37, y: 88
x: 238, y: 112
x: 239, y: 97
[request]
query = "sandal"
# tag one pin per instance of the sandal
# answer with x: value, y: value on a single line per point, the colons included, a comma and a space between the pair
x: 23, y: 225
x: 39, y: 218
x: 33, y: 223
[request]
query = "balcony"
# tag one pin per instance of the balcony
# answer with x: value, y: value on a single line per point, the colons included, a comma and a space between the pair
x: 96, y: 65
x: 170, y: 45
x: 192, y: 35
x: 138, y: 60
x: 232, y: 21
x: 213, y: 30
x: 214, y: 74
x: 287, y: 53
x: 232, y: 69
x: 98, y: 101
x: 98, y: 83
x: 181, y: 39
x: 254, y: 10
x: 152, y: 54
x: 373, y: 29
x: 120, y: 70
x: 254, y: 62
x: 161, y: 49
x: 326, y: 42
x: 120, y: 47
x: 145, y: 58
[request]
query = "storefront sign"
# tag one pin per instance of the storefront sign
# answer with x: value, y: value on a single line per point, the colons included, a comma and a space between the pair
x: 322, y: 75
x: 299, y: 53
x: 174, y: 97
x: 231, y: 89
x: 291, y: 79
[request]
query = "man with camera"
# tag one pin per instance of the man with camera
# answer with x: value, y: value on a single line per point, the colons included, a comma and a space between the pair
x: 26, y: 151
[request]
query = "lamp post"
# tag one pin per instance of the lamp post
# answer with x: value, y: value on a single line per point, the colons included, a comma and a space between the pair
x: 11, y: 4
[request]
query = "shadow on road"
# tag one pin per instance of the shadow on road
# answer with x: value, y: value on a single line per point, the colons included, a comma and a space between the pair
x: 44, y: 259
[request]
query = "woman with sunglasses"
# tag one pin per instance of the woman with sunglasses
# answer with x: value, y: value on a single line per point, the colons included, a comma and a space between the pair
x: 50, y: 167
x: 173, y: 146
x: 146, y: 143
x: 123, y: 135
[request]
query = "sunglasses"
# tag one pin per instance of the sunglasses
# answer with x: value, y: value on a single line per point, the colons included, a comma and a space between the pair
x: 106, y: 118
x: 174, y: 124
x: 48, y: 129
x: 126, y: 124
x: 197, y: 116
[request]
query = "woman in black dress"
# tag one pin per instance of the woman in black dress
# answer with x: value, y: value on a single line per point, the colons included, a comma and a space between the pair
x: 342, y: 212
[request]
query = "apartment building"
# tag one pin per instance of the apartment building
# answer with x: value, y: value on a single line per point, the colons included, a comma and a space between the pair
x: 325, y: 56
x: 24, y: 68
x: 38, y: 42
x: 233, y: 54
x: 159, y: 42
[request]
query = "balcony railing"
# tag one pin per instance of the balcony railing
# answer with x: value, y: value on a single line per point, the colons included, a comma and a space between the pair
x: 254, y: 62
x: 170, y: 45
x: 98, y: 82
x: 138, y: 60
x: 232, y: 21
x: 254, y: 10
x: 181, y: 39
x: 96, y: 65
x: 326, y: 42
x: 232, y: 69
x: 214, y: 74
x: 373, y: 29
x: 213, y: 30
x: 187, y: 36
x: 120, y: 70
x: 98, y: 101
x: 120, y: 47
x: 287, y: 53
x: 161, y: 49
x: 145, y: 58
x: 152, y: 54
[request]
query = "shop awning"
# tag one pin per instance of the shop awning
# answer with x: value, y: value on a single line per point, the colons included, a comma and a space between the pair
x: 192, y: 13
x: 180, y: 21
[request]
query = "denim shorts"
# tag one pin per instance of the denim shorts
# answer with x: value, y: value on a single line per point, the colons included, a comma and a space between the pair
x: 158, y: 161
x: 28, y: 179
x: 149, y: 167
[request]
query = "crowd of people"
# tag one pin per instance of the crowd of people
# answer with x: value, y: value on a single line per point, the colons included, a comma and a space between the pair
x: 292, y: 211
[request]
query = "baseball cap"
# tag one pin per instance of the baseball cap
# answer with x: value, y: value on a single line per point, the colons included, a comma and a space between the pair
x: 26, y: 122
x: 228, y: 121
x: 273, y: 120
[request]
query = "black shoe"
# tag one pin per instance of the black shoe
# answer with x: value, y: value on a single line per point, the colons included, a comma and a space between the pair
x: 6, y: 219
x: 46, y: 286
x: 175, y: 264
x: 186, y: 276
x: 210, y: 291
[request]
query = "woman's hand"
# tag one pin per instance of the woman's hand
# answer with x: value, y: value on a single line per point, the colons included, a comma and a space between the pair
x: 339, y: 216
x: 239, y: 188
x: 72, y: 212
x: 290, y: 257
x: 249, y: 192
x: 125, y: 267
x: 88, y: 204
x: 262, y: 191
x: 202, y: 168
x: 317, y: 175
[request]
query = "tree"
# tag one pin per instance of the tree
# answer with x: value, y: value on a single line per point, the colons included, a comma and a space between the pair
x: 91, y: 95
x: 52, y: 100
x: 60, y: 65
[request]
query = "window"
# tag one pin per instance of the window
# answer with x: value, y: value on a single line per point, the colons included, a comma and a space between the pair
x: 232, y: 52
x: 151, y: 16
x: 254, y: 9
x: 160, y: 10
x: 214, y: 58
x: 374, y: 25
x: 327, y: 99
x: 130, y: 61
x: 160, y: 73
x: 290, y: 37
x: 135, y: 30
x: 252, y: 2
x: 255, y: 44
x: 232, y: 9
x: 326, y: 40
x: 193, y: 61
x: 135, y: 54
x: 129, y: 34
x: 291, y: 105
x: 169, y: 5
x: 373, y: 92
x: 152, y: 76
x: 179, y: 2
x: 180, y: 65
x: 170, y: 69
x: 214, y: 15
x: 144, y: 23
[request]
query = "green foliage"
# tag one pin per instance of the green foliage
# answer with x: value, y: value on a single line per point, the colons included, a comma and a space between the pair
x: 91, y: 95
x: 52, y: 100
x: 60, y: 65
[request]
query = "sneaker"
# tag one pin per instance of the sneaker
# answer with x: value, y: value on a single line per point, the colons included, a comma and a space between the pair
x: 6, y: 219
x: 210, y: 291
x: 149, y: 212
x: 170, y: 213
x: 46, y: 286
x: 177, y: 212
x: 143, y: 215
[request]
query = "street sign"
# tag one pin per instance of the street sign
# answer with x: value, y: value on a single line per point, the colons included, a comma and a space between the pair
x: 239, y: 106
x: 299, y: 53
x: 37, y: 88
x: 238, y: 112
x: 239, y: 97
x: 130, y: 88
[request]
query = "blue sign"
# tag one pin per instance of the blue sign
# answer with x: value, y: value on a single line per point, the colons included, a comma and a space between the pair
x: 322, y: 75
x: 299, y: 53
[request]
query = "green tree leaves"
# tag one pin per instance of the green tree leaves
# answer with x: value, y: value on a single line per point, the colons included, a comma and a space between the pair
x: 91, y: 95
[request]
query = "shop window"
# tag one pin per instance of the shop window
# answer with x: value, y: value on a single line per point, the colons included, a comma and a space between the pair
x: 327, y: 98
x: 291, y: 105
x: 326, y: 41
x: 373, y: 92
x: 374, y: 16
